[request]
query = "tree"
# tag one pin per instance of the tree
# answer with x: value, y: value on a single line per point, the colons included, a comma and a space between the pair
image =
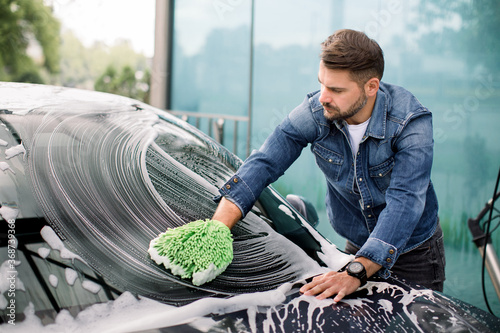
x: 127, y: 82
x: 99, y: 65
x: 108, y: 81
x: 24, y: 24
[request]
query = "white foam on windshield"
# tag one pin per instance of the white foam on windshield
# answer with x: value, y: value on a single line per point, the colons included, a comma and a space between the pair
x: 91, y: 286
x: 43, y: 252
x: 4, y: 166
x: 14, y: 151
x: 54, y: 281
x: 71, y: 275
x: 51, y: 238
x: 9, y: 214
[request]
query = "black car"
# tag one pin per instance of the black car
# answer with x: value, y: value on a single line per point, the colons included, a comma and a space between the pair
x: 88, y: 179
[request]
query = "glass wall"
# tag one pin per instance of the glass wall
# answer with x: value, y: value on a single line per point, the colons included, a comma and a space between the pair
x: 445, y: 51
x: 211, y: 61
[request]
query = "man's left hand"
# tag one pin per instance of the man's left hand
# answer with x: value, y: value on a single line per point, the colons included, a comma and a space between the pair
x: 340, y: 284
x: 332, y: 283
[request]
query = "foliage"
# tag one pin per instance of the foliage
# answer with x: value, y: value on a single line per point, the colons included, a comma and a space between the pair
x: 32, y: 49
x: 26, y: 25
x: 115, y: 69
x: 126, y: 82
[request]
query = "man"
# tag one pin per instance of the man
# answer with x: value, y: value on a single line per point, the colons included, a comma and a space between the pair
x: 373, y: 141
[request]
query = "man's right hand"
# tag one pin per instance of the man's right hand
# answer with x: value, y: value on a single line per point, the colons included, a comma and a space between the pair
x: 227, y: 213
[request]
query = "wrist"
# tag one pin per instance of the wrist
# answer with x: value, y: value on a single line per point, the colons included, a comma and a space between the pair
x: 370, y: 266
x: 227, y: 212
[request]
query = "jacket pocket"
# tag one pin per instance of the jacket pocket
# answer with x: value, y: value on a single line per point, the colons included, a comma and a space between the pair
x: 329, y: 161
x: 381, y: 174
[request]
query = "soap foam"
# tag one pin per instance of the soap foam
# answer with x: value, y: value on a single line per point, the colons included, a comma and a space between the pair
x: 71, y: 275
x: 14, y: 151
x: 51, y: 238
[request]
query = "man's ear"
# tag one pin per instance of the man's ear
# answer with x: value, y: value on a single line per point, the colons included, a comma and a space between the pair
x: 371, y: 87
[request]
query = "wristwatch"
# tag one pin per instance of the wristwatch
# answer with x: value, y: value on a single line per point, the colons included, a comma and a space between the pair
x: 356, y: 269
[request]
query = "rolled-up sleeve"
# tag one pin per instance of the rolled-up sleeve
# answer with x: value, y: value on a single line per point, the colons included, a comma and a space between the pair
x: 381, y: 253
x: 266, y: 165
x: 238, y: 192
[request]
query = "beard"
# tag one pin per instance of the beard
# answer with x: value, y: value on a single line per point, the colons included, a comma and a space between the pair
x: 334, y: 113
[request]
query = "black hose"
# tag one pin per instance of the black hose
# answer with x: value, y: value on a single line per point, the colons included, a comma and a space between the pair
x: 487, y: 232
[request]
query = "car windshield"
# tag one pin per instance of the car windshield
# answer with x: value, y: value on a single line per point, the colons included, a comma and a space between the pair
x: 94, y: 184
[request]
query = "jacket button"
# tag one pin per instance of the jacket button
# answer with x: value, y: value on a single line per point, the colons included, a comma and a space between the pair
x: 360, y: 179
x: 388, y: 259
x: 330, y: 160
x: 235, y: 180
x: 380, y: 175
x: 228, y: 186
x: 391, y: 251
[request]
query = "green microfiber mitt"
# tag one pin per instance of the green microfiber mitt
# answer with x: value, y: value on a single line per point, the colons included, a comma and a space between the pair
x: 200, y: 250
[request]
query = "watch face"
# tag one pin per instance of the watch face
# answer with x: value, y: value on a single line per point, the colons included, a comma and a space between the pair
x: 355, y: 267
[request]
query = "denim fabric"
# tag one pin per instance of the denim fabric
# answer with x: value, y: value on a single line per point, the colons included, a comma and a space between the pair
x: 382, y: 199
x: 424, y: 265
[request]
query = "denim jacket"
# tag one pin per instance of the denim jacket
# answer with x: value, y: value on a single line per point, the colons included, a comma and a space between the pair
x: 382, y: 200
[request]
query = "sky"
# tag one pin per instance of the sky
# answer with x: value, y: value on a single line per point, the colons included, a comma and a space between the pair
x: 109, y: 20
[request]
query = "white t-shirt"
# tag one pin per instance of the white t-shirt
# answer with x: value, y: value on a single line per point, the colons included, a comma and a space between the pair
x: 356, y: 133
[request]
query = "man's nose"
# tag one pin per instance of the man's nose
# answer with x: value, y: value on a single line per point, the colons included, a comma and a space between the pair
x: 324, y: 96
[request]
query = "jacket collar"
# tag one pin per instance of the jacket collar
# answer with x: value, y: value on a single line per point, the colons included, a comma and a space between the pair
x: 378, y: 121
x: 314, y: 101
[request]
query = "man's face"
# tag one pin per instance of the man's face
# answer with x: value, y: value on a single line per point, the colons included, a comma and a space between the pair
x: 341, y: 97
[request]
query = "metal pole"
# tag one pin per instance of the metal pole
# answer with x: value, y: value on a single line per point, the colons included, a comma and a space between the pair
x: 162, y: 59
x: 235, y: 137
x: 492, y: 265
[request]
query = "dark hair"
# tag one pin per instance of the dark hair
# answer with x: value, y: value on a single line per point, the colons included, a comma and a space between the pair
x: 354, y: 51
